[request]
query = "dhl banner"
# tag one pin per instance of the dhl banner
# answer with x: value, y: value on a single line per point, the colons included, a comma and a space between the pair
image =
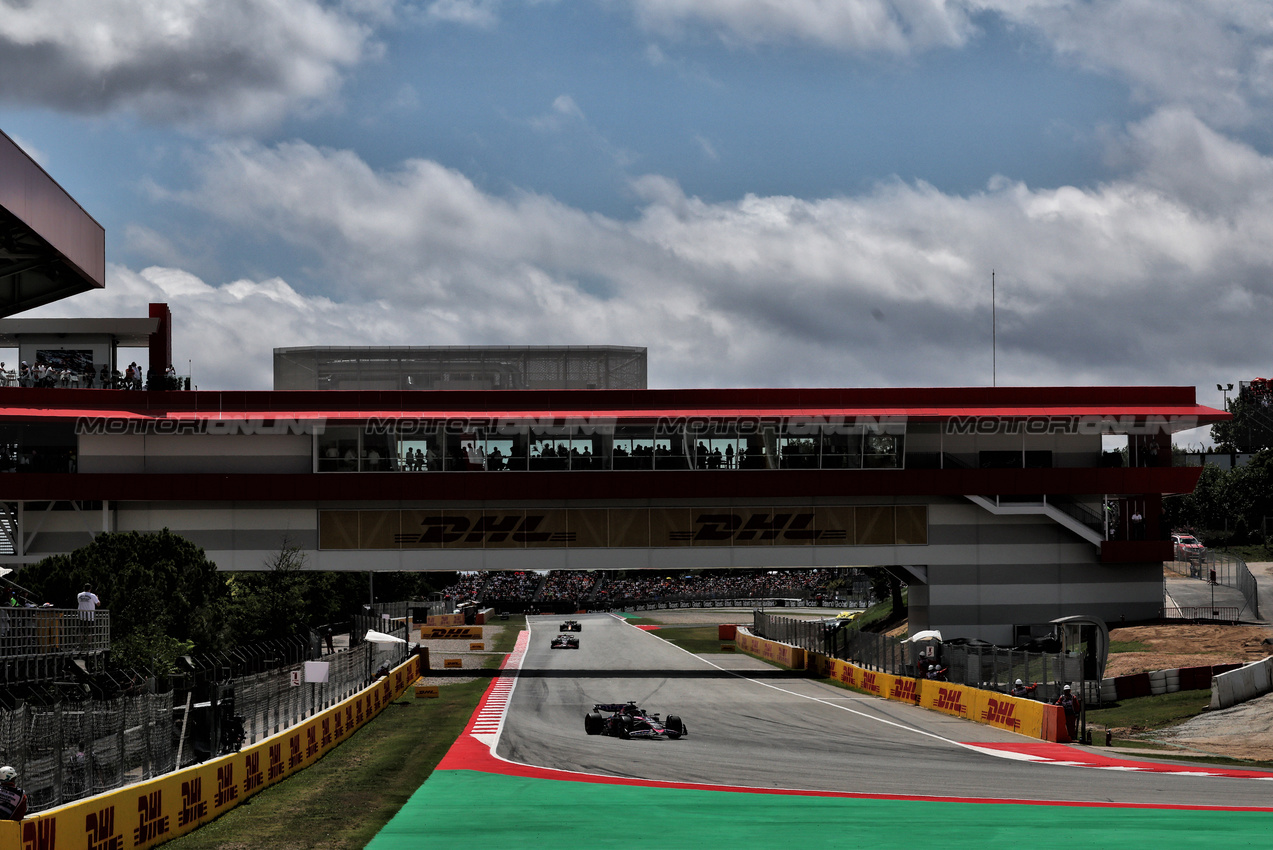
x: 450, y: 632
x: 791, y: 657
x: 948, y: 698
x: 1015, y: 715
x: 152, y: 812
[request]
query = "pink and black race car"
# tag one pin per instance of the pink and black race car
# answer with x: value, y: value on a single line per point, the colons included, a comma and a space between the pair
x: 625, y: 720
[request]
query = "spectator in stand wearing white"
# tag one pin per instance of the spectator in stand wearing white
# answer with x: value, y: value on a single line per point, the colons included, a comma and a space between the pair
x: 88, y: 602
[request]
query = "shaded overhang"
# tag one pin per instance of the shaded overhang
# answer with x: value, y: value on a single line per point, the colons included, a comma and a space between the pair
x: 127, y: 332
x: 50, y: 248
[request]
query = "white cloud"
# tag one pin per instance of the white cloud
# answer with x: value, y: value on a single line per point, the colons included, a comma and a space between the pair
x: 1108, y: 284
x: 478, y: 13
x: 228, y: 64
x: 1213, y: 56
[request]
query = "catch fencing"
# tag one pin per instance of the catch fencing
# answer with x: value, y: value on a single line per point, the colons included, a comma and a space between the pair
x: 986, y: 667
x: 1225, y: 571
x: 68, y: 750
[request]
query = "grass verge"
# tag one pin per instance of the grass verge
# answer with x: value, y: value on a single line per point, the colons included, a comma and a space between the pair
x: 700, y: 640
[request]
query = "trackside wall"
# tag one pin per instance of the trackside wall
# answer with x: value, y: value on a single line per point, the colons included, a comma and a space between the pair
x: 1025, y: 716
x: 149, y: 813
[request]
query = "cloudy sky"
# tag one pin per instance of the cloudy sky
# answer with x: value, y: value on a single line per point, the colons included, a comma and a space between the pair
x: 762, y: 192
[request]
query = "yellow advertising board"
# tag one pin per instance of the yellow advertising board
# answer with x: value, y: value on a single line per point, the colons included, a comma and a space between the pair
x: 948, y: 698
x: 149, y: 813
x: 791, y: 657
x: 450, y: 632
x: 1005, y: 712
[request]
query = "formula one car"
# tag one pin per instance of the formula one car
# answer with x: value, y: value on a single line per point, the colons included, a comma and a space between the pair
x: 564, y: 642
x: 625, y: 720
x: 571, y: 626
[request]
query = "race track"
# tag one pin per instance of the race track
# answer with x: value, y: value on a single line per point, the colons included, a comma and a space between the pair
x: 757, y: 726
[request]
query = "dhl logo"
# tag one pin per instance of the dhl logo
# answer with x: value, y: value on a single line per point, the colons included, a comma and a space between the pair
x: 450, y: 631
x: 904, y: 690
x: 494, y: 528
x: 950, y: 700
x: 869, y: 683
x: 1001, y: 713
x: 41, y: 834
x: 763, y: 525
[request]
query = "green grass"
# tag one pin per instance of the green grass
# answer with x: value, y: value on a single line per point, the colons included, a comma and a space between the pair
x: 700, y: 640
x: 1129, y: 646
x: 1152, y: 712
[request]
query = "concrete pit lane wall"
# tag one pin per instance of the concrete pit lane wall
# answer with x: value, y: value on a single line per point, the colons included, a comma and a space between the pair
x: 1242, y: 684
x: 149, y: 813
x: 1024, y: 716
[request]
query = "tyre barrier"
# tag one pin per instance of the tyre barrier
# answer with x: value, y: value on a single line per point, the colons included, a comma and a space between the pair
x: 1162, y: 682
x: 151, y: 812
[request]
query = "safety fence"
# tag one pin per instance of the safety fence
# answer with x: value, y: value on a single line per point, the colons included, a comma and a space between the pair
x: 980, y: 666
x: 160, y: 809
x: 1224, y: 571
x: 1203, y: 614
x: 26, y: 632
x: 69, y: 750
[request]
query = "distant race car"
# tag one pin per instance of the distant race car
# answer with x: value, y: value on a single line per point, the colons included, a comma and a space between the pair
x: 625, y: 720
x: 565, y: 642
x: 571, y: 626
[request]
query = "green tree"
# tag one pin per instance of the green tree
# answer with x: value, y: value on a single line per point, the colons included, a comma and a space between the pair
x: 163, y: 594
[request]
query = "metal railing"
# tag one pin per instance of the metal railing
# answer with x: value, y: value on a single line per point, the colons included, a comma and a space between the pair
x: 66, y: 750
x: 1225, y: 571
x: 33, y: 632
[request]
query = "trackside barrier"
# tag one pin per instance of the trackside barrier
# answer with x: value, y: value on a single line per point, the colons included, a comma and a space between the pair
x: 450, y: 632
x: 1242, y: 684
x: 1026, y: 716
x: 785, y: 655
x: 149, y: 813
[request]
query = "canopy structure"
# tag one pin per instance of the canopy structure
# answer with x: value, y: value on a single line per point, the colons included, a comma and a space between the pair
x: 50, y: 248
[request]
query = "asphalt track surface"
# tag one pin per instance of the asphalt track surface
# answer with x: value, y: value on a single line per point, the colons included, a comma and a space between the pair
x: 757, y: 726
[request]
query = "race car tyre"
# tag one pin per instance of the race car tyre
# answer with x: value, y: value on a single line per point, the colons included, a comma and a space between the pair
x: 593, y: 722
x: 625, y: 728
x: 675, y: 728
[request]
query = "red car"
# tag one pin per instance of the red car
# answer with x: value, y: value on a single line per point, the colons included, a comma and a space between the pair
x: 1188, y: 548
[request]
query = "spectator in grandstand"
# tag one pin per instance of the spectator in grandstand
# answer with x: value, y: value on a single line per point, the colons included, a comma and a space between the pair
x: 1069, y: 701
x: 1021, y: 689
x: 13, y: 800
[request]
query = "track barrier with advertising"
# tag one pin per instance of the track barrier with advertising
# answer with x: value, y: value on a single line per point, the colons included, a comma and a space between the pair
x: 1025, y: 716
x: 450, y: 632
x: 785, y: 655
x: 149, y: 813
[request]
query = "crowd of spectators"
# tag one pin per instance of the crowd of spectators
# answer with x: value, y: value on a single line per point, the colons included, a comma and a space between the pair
x: 51, y: 375
x: 568, y: 585
x: 594, y: 588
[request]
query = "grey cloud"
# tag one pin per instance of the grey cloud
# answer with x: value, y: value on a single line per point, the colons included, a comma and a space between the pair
x: 229, y: 64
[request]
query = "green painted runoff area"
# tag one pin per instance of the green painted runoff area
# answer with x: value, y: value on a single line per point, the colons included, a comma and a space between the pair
x: 463, y: 808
